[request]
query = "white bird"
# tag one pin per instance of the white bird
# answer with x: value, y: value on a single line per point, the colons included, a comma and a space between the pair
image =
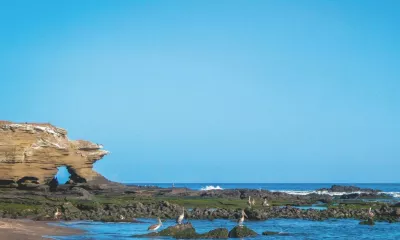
x: 57, y: 214
x: 265, y: 203
x: 121, y: 217
x: 154, y: 227
x: 241, y: 219
x: 180, y: 218
x: 253, y: 202
x: 249, y: 202
x: 370, y: 213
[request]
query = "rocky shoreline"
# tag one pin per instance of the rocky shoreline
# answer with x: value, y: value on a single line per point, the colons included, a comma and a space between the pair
x: 30, y: 154
x: 116, y: 203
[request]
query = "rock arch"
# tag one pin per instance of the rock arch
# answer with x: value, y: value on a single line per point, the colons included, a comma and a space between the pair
x: 34, y: 151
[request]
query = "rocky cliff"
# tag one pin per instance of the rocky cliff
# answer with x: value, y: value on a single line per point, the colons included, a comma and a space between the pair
x: 32, y: 152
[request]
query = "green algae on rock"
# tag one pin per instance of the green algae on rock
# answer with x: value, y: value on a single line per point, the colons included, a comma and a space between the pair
x: 187, y: 231
x: 241, y: 232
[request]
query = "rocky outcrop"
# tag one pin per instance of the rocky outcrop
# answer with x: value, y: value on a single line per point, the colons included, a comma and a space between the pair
x: 348, y: 189
x: 187, y: 231
x: 31, y: 152
x: 241, y: 232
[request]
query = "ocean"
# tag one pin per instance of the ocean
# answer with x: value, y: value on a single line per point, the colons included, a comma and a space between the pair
x: 289, y: 228
x: 392, y: 189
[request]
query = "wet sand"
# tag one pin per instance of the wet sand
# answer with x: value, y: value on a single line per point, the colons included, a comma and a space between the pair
x: 18, y: 229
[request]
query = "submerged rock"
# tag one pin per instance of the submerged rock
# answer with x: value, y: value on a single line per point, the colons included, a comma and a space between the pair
x: 268, y: 233
x: 368, y: 222
x: 241, y: 232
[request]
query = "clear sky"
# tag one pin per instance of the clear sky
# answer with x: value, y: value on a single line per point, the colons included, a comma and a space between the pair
x: 212, y: 91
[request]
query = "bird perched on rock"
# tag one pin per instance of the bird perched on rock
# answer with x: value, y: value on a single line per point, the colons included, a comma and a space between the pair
x: 154, y: 227
x: 57, y: 214
x: 180, y: 218
x: 265, y: 203
x: 371, y: 214
x: 241, y: 219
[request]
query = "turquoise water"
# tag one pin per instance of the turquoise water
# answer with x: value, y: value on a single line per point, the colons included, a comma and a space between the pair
x: 290, y: 229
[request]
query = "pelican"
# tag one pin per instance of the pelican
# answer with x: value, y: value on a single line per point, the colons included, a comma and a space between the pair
x: 249, y: 202
x: 241, y: 219
x: 370, y: 213
x: 57, y: 214
x: 181, y: 217
x: 154, y: 227
x: 265, y: 203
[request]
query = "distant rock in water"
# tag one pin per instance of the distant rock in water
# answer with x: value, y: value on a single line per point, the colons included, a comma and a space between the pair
x: 270, y: 233
x: 348, y: 189
x: 241, y: 232
x: 368, y: 222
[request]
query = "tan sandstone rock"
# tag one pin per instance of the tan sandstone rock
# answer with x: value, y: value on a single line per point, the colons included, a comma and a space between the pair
x: 34, y: 151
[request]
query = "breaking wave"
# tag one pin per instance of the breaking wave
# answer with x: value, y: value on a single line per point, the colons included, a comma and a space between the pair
x: 208, y: 188
x: 393, y: 194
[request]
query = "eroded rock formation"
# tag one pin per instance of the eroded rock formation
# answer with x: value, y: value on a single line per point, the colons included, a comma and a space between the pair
x: 32, y: 152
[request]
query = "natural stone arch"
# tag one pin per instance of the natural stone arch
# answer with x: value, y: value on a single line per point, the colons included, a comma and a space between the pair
x: 36, y: 150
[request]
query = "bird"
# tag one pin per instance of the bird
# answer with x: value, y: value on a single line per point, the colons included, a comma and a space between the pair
x: 180, y: 218
x: 253, y: 202
x: 241, y: 219
x: 154, y: 227
x: 121, y: 217
x: 265, y: 203
x: 57, y: 214
x: 370, y: 213
x: 249, y: 202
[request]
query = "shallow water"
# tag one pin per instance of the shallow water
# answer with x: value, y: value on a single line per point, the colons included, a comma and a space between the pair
x: 292, y: 229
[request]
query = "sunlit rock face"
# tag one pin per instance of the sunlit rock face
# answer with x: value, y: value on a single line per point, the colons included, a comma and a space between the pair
x: 33, y: 151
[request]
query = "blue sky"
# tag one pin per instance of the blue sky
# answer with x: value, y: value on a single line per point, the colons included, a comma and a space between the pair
x: 212, y: 91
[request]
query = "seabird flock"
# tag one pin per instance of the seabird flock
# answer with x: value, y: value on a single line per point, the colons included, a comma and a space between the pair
x: 179, y: 220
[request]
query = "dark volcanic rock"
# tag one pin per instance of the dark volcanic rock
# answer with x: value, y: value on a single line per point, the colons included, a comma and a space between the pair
x: 348, y: 189
x: 361, y: 195
x: 241, y: 232
x: 368, y: 222
x: 187, y: 231
x: 268, y: 233
x: 183, y: 231
x: 216, y: 233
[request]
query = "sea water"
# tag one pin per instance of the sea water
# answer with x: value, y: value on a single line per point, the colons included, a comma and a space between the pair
x: 288, y: 229
x: 392, y: 189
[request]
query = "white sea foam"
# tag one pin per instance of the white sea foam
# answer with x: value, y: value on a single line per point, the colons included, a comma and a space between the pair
x: 208, y: 188
x: 305, y: 192
x: 393, y: 194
